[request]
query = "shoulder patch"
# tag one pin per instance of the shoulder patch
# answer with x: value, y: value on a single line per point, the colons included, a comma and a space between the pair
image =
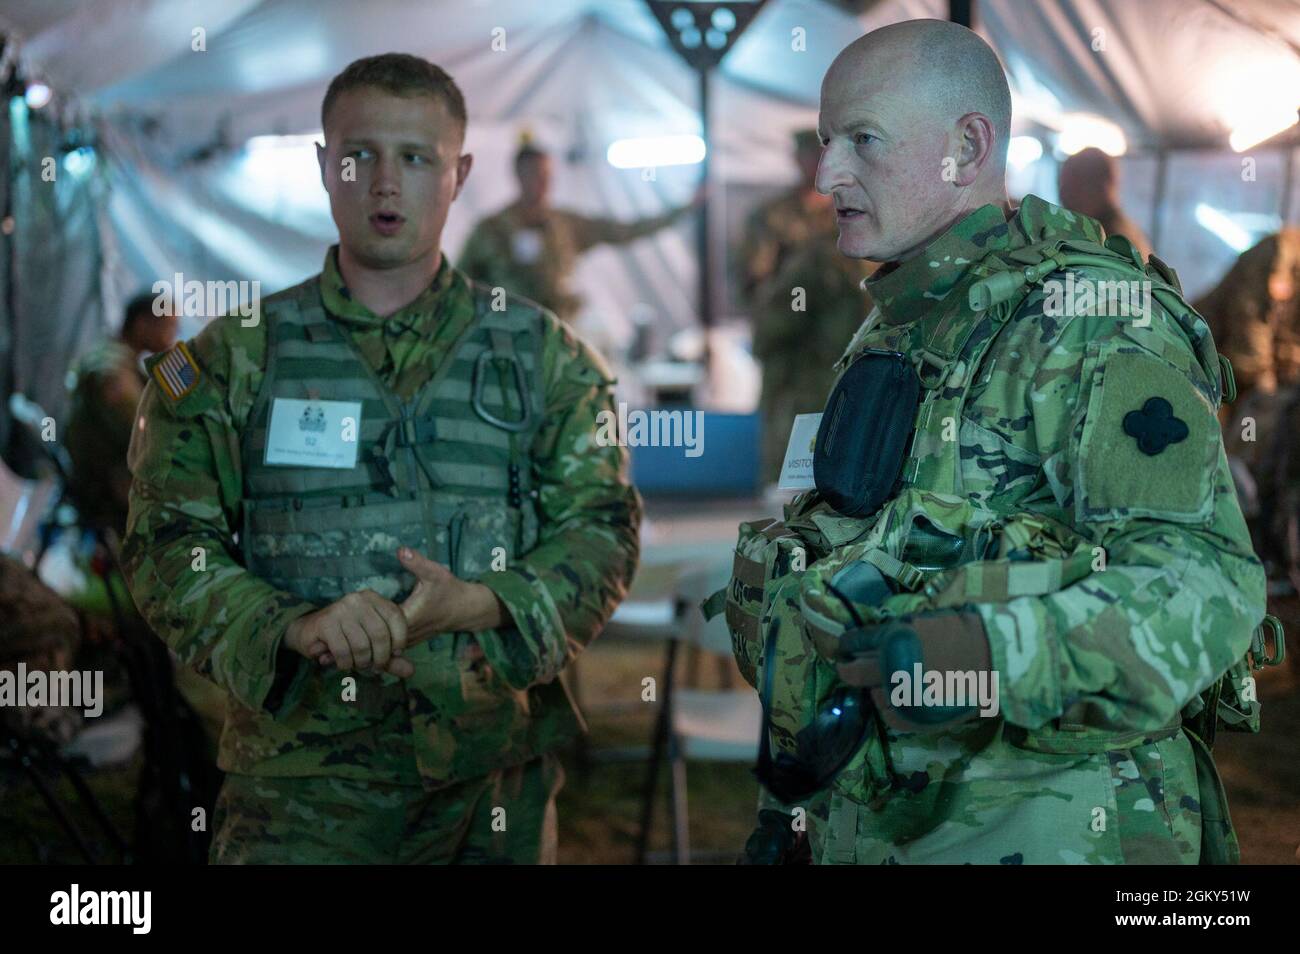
x: 175, y: 371
x: 1149, y: 445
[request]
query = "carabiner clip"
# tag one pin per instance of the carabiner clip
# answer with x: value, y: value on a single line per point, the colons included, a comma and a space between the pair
x: 521, y: 388
x: 1258, y: 645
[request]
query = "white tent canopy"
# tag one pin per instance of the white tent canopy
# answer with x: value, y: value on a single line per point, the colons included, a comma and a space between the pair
x: 1174, y: 75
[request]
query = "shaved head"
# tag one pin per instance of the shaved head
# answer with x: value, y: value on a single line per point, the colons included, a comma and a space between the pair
x: 915, y: 119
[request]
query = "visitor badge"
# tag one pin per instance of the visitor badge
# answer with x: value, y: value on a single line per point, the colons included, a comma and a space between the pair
x: 797, y: 471
x: 313, y: 433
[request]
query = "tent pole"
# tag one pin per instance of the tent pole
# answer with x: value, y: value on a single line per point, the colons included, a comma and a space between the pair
x: 1158, y: 196
x: 704, y: 245
x: 963, y: 12
x: 1288, y: 184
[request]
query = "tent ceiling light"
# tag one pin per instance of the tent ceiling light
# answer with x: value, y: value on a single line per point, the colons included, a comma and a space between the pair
x: 723, y: 19
x: 1081, y: 130
x: 655, y: 151
x: 1227, y: 231
x: 267, y: 143
x: 1265, y: 122
x: 37, y: 95
x: 1023, y: 150
x: 702, y: 33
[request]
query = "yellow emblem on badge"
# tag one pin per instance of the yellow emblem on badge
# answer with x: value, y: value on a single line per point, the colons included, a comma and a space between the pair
x: 176, y: 372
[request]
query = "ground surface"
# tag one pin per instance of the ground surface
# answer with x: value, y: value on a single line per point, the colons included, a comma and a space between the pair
x: 599, y: 808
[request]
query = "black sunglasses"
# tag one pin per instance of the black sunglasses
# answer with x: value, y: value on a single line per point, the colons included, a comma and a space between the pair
x: 824, y: 746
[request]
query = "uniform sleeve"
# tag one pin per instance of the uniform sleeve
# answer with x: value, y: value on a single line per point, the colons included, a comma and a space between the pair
x: 478, y: 259
x: 588, y: 232
x: 1133, y: 458
x: 179, y: 553
x: 562, y: 592
x: 759, y: 257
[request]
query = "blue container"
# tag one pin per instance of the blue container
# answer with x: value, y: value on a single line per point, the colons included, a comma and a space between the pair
x: 723, y: 463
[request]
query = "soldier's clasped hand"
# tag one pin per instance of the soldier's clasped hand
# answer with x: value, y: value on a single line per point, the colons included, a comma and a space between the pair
x: 360, y: 631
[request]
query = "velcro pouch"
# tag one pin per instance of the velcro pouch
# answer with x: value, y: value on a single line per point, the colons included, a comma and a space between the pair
x: 865, y: 431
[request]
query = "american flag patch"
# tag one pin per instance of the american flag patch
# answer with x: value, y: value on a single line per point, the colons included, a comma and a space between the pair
x: 176, y: 372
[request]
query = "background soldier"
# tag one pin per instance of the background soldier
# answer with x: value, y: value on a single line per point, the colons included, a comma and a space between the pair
x: 427, y: 531
x: 530, y: 248
x: 1088, y: 182
x: 107, y: 383
x: 1255, y: 315
x: 789, y: 250
x: 1065, y: 492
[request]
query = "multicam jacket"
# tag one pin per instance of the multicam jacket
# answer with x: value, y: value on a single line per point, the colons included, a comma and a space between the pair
x: 475, y: 445
x: 1083, y: 502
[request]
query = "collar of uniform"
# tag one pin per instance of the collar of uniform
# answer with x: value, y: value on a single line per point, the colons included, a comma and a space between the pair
x: 907, y: 290
x: 338, y: 301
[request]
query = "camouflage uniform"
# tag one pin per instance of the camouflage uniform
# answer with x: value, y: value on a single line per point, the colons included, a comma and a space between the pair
x: 1087, y: 760
x: 429, y: 474
x: 107, y: 386
x: 537, y: 262
x: 797, y: 340
x: 1255, y: 315
x: 1115, y: 222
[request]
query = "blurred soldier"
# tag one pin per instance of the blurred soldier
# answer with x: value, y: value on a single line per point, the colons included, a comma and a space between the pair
x: 987, y: 630
x: 805, y: 299
x: 107, y: 383
x: 1255, y: 315
x: 1088, y: 182
x: 428, y: 531
x: 530, y: 248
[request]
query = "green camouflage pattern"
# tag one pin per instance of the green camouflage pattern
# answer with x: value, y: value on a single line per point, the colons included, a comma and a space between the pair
x: 473, y: 714
x: 506, y: 817
x: 806, y: 301
x: 1254, y: 312
x: 1145, y: 593
x: 537, y: 261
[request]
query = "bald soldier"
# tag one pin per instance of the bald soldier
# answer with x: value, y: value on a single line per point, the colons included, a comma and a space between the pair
x: 530, y: 248
x: 1088, y: 182
x: 805, y: 301
x: 988, y: 626
x: 379, y: 518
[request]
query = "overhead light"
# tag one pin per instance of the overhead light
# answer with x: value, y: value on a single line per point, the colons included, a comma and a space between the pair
x: 655, y: 151
x: 1228, y: 231
x: 268, y: 143
x: 80, y: 162
x: 1259, y: 121
x: 1023, y: 150
x: 37, y: 95
x: 1082, y: 130
x: 1254, y: 99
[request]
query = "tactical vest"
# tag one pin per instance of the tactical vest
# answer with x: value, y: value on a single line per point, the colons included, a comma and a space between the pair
x: 927, y: 534
x: 447, y: 473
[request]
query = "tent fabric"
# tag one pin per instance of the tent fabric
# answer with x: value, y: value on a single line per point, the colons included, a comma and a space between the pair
x: 1168, y: 71
x: 177, y: 87
x: 58, y: 310
x: 187, y: 197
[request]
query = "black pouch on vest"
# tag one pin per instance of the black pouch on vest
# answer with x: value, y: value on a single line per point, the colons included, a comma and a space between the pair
x: 865, y: 431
